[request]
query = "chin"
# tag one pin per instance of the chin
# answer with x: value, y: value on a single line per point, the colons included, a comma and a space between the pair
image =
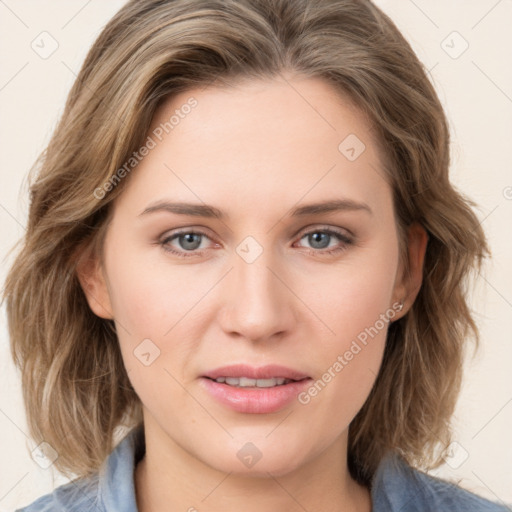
x: 256, y: 459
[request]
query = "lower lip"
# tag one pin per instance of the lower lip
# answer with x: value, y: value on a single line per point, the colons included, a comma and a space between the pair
x: 255, y: 400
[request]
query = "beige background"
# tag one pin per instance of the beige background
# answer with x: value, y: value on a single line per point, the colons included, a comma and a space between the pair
x: 475, y: 86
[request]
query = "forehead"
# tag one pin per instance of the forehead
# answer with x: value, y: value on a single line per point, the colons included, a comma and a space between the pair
x: 261, y: 113
x: 259, y: 140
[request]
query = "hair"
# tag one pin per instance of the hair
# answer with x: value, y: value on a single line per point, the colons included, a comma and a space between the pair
x: 75, y: 387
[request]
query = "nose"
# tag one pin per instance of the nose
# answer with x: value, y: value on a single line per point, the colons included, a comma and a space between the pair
x: 259, y: 304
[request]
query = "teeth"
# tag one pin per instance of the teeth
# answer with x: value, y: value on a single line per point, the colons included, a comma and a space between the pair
x: 245, y: 382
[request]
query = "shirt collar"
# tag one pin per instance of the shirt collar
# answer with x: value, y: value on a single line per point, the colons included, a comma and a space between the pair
x: 395, y: 485
x: 116, y: 482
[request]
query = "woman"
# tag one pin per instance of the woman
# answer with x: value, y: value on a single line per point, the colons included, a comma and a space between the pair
x: 243, y: 246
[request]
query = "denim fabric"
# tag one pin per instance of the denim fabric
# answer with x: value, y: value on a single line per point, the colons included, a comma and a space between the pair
x: 396, y: 487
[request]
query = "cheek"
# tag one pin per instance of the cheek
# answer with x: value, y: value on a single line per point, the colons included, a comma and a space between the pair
x: 150, y: 299
x: 354, y: 295
x: 151, y: 315
x: 348, y: 361
x: 356, y: 308
x: 153, y: 306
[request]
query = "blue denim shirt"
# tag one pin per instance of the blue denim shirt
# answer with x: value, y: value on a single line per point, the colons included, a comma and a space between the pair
x: 396, y: 487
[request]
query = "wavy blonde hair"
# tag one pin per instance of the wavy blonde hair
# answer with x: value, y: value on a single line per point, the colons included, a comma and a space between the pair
x: 75, y: 387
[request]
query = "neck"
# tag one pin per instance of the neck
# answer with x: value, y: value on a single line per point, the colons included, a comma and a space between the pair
x: 170, y: 478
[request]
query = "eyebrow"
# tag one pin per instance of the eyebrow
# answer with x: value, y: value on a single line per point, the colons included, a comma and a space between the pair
x: 208, y: 211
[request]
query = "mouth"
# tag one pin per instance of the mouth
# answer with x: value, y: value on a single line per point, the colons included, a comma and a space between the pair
x: 246, y: 382
x: 256, y: 390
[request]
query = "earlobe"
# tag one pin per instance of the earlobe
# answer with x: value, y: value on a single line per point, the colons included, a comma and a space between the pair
x: 92, y: 280
x: 411, y: 278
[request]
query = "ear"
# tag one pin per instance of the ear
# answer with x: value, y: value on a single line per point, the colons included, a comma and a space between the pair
x: 92, y: 280
x: 409, y: 280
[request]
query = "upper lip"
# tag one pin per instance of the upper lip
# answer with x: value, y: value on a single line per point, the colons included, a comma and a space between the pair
x: 252, y: 372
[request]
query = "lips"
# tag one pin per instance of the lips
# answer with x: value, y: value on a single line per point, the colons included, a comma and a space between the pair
x: 250, y: 372
x: 245, y: 382
x: 247, y: 389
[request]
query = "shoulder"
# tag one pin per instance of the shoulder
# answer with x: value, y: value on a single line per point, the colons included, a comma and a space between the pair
x: 398, y: 486
x: 109, y: 488
x: 77, y: 496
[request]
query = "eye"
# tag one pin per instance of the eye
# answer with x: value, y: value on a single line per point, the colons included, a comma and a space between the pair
x: 187, y: 241
x: 320, y: 239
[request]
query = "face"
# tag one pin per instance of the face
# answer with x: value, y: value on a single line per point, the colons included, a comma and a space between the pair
x: 251, y: 276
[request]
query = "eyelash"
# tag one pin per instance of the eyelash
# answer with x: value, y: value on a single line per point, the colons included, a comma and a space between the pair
x: 317, y: 252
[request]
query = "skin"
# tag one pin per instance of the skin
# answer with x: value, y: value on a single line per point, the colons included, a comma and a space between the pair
x: 255, y: 150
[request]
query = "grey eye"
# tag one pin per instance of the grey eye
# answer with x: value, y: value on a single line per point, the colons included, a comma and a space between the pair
x: 319, y: 240
x: 192, y: 241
